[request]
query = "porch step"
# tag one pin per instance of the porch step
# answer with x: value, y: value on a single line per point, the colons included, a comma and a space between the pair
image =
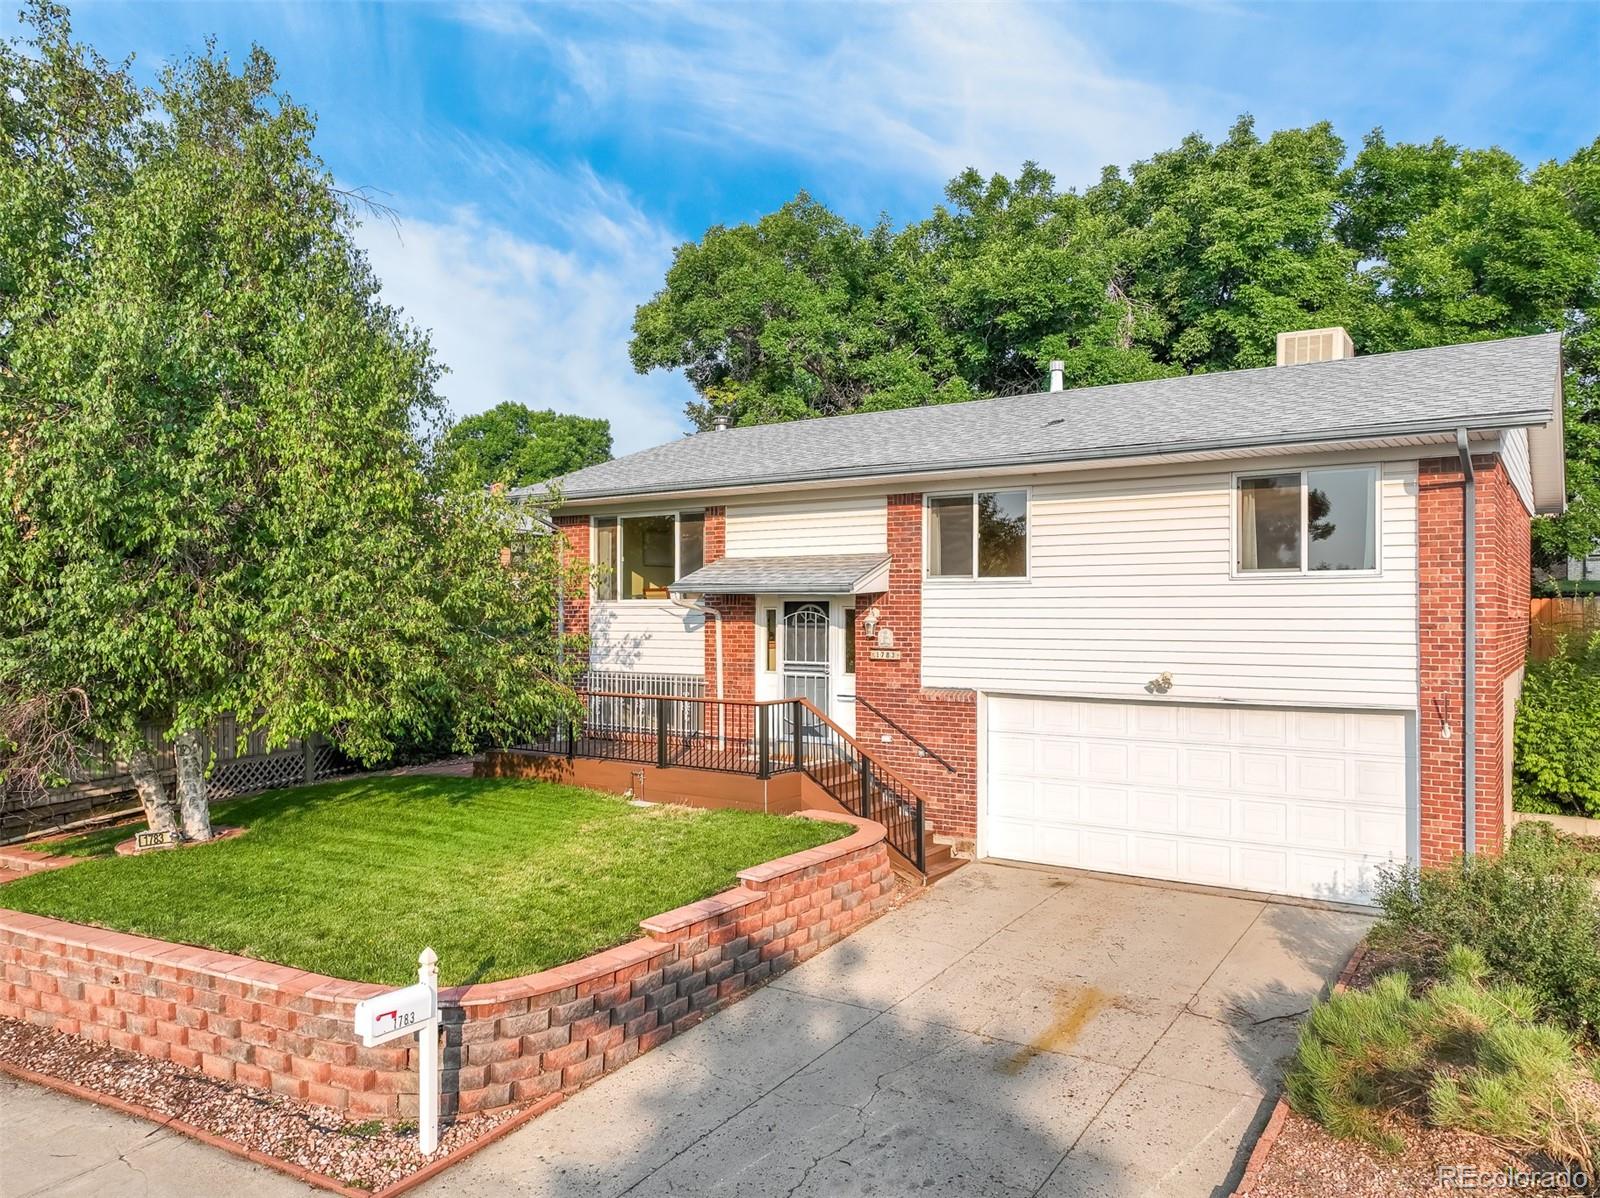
x: 937, y: 858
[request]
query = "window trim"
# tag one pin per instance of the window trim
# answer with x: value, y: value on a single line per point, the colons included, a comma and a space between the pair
x: 972, y: 493
x: 675, y: 515
x: 1304, y: 571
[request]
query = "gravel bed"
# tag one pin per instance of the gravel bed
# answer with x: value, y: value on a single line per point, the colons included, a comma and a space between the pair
x: 1306, y: 1162
x: 367, y: 1154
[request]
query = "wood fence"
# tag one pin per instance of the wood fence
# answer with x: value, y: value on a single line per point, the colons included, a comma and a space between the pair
x: 1572, y: 619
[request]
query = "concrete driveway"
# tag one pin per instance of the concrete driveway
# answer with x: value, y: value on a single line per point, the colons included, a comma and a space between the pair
x: 1012, y: 1032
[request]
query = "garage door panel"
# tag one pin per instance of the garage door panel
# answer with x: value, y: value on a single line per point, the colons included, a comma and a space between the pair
x: 1287, y: 801
x: 1260, y: 726
x: 1375, y: 831
x: 1106, y: 719
x: 1106, y: 849
x: 1014, y: 754
x: 1206, y: 815
x: 1155, y: 765
x: 1013, y: 798
x: 1205, y: 725
x: 1379, y: 781
x: 1012, y: 714
x: 1106, y: 761
x: 1156, y: 720
x: 1205, y: 862
x: 1155, y: 810
x: 1320, y: 826
x: 1377, y: 734
x: 1155, y: 856
x: 1265, y: 773
x: 1262, y: 868
x: 1060, y: 758
x: 1104, y: 806
x: 1322, y: 776
x: 1325, y: 730
x: 1210, y: 768
x: 1261, y: 820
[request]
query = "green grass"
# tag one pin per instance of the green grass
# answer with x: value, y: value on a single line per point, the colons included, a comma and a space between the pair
x: 352, y: 879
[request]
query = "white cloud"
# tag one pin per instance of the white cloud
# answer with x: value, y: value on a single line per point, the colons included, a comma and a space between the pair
x: 927, y: 89
x: 537, y: 321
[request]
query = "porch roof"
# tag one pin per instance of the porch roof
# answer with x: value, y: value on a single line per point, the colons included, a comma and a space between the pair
x: 821, y: 574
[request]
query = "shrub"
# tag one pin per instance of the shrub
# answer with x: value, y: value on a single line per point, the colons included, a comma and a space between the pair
x: 1558, y: 734
x: 1542, y: 847
x: 1529, y: 923
x: 1465, y: 1055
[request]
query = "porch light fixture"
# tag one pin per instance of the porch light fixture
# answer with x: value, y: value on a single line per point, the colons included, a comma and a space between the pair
x: 869, y: 622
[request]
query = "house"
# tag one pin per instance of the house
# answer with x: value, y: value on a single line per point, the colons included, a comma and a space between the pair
x: 1212, y: 628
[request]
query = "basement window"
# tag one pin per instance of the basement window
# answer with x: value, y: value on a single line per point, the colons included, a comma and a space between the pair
x: 1307, y: 521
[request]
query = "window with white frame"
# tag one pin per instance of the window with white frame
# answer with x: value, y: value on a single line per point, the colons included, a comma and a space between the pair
x: 978, y: 534
x: 1304, y: 521
x: 640, y: 557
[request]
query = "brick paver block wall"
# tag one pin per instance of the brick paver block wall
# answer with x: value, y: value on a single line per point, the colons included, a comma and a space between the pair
x: 504, y: 1043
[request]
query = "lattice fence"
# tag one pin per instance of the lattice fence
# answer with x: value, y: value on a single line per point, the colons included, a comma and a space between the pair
x: 101, y: 785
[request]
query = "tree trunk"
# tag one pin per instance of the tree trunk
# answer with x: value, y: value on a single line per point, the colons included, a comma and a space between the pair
x: 160, y: 812
x: 190, y: 751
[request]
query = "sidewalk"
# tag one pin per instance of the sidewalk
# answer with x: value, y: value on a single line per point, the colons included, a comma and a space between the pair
x: 64, y: 1147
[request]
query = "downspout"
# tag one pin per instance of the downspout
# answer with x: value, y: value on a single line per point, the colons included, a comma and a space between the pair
x: 1469, y: 645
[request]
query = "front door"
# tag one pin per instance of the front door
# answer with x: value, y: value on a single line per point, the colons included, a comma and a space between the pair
x: 804, y: 649
x: 806, y: 660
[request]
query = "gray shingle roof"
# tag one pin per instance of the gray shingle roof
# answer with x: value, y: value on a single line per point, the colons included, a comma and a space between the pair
x: 823, y: 574
x: 1483, y: 384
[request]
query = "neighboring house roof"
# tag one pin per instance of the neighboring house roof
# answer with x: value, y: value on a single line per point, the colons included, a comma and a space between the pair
x: 1483, y: 385
x: 822, y: 574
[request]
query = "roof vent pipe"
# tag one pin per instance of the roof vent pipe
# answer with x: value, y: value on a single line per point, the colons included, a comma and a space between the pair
x: 1057, y: 369
x: 719, y: 421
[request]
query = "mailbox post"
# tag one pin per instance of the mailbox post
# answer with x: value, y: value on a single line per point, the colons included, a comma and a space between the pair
x: 400, y: 1013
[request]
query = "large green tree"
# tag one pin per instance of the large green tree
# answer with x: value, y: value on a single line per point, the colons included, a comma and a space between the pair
x: 1191, y: 260
x: 517, y: 445
x: 218, y: 480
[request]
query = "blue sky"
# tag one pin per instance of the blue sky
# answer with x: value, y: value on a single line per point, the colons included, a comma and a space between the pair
x: 544, y: 159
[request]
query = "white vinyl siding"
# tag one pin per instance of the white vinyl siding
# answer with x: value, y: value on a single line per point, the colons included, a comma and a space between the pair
x: 646, y: 637
x: 1131, y: 579
x: 1514, y: 453
x: 809, y: 525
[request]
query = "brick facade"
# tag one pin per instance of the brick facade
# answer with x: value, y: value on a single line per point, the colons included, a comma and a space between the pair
x: 575, y: 601
x: 738, y: 625
x: 892, y: 702
x: 1503, y: 531
x: 510, y: 1042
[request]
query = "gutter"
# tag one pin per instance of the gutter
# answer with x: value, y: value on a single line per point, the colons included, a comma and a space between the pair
x: 1469, y: 644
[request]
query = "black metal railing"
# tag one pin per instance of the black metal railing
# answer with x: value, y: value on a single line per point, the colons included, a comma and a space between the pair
x: 760, y: 738
x: 831, y: 758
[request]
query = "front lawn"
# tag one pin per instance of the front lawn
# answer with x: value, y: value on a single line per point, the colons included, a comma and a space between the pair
x: 501, y: 877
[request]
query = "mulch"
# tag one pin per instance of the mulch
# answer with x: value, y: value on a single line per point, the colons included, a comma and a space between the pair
x: 1306, y: 1162
x: 310, y: 1142
x: 1301, y: 1160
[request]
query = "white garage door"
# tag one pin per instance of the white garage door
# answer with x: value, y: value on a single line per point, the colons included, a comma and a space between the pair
x: 1282, y: 800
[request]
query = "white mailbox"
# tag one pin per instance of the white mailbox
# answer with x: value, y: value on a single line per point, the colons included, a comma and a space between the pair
x: 402, y: 1013
x: 397, y: 1013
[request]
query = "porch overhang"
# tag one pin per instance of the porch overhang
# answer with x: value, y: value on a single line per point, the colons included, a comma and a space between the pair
x: 821, y: 574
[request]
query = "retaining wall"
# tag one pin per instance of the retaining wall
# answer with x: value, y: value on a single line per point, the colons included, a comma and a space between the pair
x: 504, y: 1043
